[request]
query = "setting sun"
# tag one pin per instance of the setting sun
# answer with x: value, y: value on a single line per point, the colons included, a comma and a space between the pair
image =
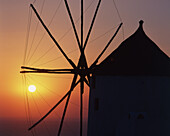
x: 32, y: 88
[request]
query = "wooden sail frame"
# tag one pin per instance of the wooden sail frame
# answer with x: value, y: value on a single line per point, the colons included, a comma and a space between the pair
x: 81, y: 69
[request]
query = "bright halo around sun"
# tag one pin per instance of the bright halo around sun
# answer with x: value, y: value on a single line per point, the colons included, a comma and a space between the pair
x: 32, y: 88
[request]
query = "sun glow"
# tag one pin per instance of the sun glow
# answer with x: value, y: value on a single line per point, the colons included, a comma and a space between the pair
x: 32, y: 88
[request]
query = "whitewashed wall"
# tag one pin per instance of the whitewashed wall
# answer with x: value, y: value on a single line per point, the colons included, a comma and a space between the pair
x: 129, y: 106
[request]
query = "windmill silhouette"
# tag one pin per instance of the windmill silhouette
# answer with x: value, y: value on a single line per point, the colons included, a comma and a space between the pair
x: 81, y: 71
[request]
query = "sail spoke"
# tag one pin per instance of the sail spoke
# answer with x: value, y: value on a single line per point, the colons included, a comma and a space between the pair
x: 56, y: 43
x: 81, y: 106
x: 49, y: 72
x: 72, y: 22
x: 53, y: 107
x: 81, y: 24
x: 30, y: 68
x: 92, y: 23
x: 65, y: 109
x: 95, y: 62
x: 68, y: 98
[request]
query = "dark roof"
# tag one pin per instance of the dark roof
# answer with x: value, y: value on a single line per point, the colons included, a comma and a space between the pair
x: 137, y: 55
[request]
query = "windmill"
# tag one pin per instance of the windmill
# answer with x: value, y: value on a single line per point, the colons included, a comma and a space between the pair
x: 81, y: 71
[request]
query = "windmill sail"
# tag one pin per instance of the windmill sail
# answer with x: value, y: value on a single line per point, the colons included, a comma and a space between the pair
x: 81, y: 70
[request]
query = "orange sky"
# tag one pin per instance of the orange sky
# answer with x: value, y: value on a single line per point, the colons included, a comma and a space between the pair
x: 13, y: 26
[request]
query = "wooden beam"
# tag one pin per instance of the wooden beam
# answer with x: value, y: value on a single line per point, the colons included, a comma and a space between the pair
x: 81, y: 24
x: 110, y: 41
x: 71, y: 89
x: 49, y: 33
x: 81, y: 106
x: 40, y: 69
x: 66, y: 105
x: 49, y: 72
x: 72, y: 22
x: 92, y: 23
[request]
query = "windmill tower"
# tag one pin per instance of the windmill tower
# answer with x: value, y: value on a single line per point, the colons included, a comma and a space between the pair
x: 81, y: 71
x: 130, y: 90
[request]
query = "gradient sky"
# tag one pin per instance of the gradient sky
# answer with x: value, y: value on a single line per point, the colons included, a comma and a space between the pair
x: 13, y: 26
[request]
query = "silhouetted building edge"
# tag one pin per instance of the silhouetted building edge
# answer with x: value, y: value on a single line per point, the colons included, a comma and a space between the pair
x: 130, y: 91
x: 137, y: 55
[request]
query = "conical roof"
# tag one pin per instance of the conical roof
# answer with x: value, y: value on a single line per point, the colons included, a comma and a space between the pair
x: 137, y: 55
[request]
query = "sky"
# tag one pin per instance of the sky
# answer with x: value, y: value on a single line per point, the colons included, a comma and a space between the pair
x: 13, y: 36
